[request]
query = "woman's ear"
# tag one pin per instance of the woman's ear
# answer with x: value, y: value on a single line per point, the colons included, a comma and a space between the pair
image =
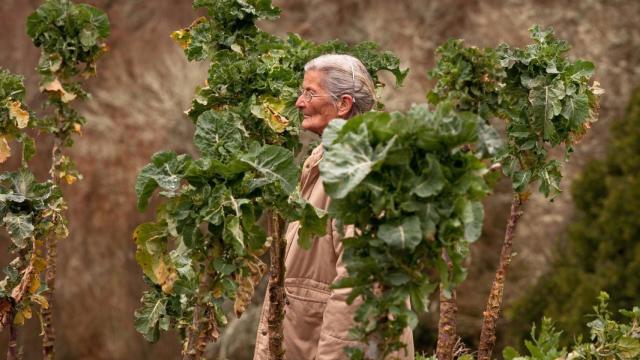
x: 345, y: 105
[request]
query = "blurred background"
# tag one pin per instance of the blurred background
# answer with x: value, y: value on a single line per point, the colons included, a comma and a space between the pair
x: 586, y: 240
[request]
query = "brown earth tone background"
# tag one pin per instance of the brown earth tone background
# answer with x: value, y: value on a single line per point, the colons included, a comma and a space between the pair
x: 145, y: 83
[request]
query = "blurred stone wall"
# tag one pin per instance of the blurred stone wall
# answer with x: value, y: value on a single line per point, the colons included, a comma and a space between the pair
x: 144, y: 84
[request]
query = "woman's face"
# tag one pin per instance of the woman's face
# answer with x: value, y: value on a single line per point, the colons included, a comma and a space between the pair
x: 318, y: 111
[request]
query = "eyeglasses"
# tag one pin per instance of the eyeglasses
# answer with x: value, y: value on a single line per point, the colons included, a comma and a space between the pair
x: 308, y: 96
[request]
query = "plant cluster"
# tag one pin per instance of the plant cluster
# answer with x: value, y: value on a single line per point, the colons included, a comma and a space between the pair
x: 204, y: 246
x: 602, y: 242
x: 545, y: 99
x: 608, y: 339
x: 412, y: 188
x: 70, y: 37
x: 412, y: 184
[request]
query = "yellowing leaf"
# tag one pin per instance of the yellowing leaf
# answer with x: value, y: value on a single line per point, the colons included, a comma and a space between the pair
x: 270, y: 110
x: 217, y: 291
x: 18, y: 114
x: 39, y: 264
x: 61, y: 230
x: 181, y: 37
x: 5, y: 150
x: 165, y: 275
x: 23, y: 315
x: 18, y: 319
x: 34, y: 285
x: 77, y: 128
x: 56, y: 86
x: 40, y: 300
x: 277, y: 122
x: 27, y: 312
x: 70, y: 179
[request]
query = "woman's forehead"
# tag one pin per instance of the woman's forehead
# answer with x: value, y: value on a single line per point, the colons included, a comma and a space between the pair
x: 313, y: 79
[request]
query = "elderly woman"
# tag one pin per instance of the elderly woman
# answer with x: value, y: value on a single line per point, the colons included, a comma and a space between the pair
x: 317, y: 319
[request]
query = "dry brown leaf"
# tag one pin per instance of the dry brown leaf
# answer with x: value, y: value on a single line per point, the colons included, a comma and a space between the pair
x: 18, y: 114
x: 165, y: 275
x: 243, y: 295
x: 56, y: 86
x: 5, y: 150
x: 40, y: 300
x: 596, y: 89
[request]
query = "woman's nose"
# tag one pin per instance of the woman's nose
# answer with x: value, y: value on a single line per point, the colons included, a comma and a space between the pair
x: 300, y: 103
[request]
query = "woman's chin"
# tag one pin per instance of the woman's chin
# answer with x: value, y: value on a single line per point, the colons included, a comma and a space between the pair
x: 307, y: 124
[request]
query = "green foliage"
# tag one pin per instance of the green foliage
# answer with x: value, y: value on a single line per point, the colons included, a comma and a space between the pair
x: 204, y: 244
x: 32, y: 212
x: 608, y: 339
x: 544, y: 98
x: 412, y: 183
x: 14, y: 117
x: 412, y: 188
x: 602, y: 248
x: 70, y: 37
x: 24, y: 203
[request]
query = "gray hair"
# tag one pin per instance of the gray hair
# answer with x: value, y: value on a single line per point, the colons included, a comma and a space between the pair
x: 346, y: 75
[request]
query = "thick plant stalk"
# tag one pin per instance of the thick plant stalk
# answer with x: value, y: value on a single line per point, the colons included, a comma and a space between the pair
x: 494, y: 303
x: 202, y: 338
x: 8, y: 306
x: 12, y: 350
x: 447, y: 336
x: 277, y: 294
x: 193, y: 333
x: 49, y: 337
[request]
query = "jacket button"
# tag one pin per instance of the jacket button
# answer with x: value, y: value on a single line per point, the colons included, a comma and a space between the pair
x: 264, y: 332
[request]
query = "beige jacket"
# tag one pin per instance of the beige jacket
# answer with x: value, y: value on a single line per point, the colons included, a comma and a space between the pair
x: 317, y: 318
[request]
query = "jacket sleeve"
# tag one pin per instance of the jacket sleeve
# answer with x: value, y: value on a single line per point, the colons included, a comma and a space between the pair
x: 338, y: 315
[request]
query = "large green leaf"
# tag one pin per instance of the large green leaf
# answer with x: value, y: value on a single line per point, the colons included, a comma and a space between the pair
x: 547, y: 100
x: 576, y: 110
x: 20, y: 228
x: 581, y: 70
x: 432, y: 180
x: 151, y: 254
x: 349, y: 161
x: 273, y: 164
x: 313, y: 222
x: 151, y: 242
x: 96, y: 17
x: 233, y: 235
x: 218, y: 134
x: 472, y: 218
x: 404, y: 234
x: 165, y: 170
x: 152, y: 316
